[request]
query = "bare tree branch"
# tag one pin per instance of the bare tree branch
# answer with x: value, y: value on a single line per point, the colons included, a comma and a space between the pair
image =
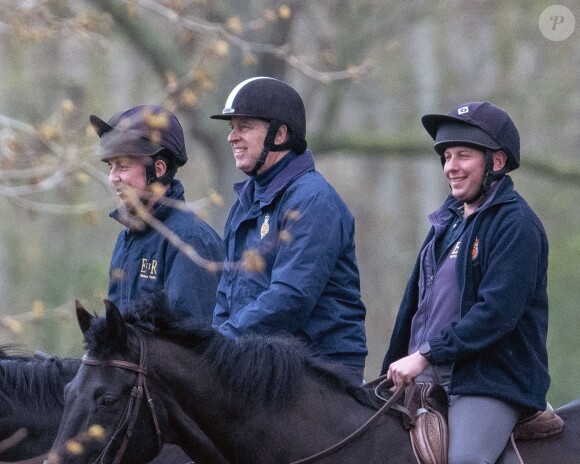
x: 218, y: 31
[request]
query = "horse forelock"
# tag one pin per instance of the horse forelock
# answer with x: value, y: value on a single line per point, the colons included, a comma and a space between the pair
x: 152, y: 315
x: 97, y: 342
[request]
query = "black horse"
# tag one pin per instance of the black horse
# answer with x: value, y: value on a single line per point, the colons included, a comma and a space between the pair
x: 253, y: 400
x: 32, y: 404
x: 31, y: 401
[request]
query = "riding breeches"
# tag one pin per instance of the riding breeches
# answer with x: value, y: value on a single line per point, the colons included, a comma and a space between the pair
x: 479, y: 426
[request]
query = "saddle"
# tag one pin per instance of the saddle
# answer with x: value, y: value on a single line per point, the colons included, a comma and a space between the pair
x: 424, y: 411
x: 425, y: 417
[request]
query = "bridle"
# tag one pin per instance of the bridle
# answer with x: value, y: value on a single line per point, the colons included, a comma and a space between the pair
x: 132, y: 409
x: 378, y: 384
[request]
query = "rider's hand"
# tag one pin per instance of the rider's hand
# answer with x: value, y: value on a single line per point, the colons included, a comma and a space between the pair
x: 406, y: 369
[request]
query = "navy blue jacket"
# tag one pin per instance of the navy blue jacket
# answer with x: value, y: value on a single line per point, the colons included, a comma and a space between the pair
x: 292, y: 266
x: 146, y: 262
x: 498, y: 348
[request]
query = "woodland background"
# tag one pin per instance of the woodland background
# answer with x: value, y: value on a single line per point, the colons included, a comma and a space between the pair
x: 367, y: 71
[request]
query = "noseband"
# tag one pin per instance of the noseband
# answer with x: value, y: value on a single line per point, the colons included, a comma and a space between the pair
x: 132, y: 409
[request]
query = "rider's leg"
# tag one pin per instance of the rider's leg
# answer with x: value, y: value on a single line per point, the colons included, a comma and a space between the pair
x: 479, y: 428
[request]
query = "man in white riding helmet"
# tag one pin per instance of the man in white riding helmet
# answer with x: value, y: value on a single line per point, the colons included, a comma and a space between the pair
x: 291, y: 265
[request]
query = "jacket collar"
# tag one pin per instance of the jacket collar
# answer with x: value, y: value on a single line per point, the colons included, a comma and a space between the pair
x: 298, y: 166
x: 500, y: 192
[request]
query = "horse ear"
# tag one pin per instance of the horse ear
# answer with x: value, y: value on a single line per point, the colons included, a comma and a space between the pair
x: 115, y: 323
x: 83, y: 316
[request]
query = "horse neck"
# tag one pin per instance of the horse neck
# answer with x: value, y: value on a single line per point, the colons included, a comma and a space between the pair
x: 39, y: 412
x: 174, y: 387
x: 319, y: 417
x: 37, y: 383
x: 216, y: 425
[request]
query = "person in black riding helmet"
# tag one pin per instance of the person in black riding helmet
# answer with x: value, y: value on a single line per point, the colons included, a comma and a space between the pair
x: 291, y: 265
x: 144, y: 146
x: 474, y: 315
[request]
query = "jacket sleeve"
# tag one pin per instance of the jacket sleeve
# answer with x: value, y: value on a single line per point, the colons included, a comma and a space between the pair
x: 312, y: 232
x: 221, y: 311
x: 190, y: 286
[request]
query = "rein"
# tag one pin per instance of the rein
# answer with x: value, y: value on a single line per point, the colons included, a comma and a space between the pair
x: 132, y: 409
x: 378, y: 383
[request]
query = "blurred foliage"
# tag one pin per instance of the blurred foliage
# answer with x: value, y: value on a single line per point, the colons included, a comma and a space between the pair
x: 367, y: 70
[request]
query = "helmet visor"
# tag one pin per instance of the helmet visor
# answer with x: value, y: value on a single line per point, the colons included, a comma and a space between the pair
x: 116, y: 143
x: 456, y: 133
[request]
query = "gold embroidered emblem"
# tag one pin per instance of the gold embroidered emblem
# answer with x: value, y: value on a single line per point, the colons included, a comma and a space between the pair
x: 475, y: 249
x: 265, y: 227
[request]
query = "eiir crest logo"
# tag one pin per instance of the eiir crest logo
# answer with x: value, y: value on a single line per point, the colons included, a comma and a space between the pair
x: 148, y: 269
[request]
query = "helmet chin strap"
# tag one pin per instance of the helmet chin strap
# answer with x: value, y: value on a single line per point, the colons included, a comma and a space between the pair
x: 268, y: 144
x: 488, y: 178
x: 150, y: 174
x: 292, y: 143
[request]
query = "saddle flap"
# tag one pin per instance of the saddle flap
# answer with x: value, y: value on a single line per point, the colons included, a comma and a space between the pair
x: 429, y: 438
x: 427, y: 403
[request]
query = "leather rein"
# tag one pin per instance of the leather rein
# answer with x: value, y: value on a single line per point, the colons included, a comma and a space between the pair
x: 378, y: 384
x: 131, y: 412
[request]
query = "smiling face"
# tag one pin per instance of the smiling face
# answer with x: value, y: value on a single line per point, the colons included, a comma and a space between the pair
x: 125, y: 173
x: 464, y: 169
x: 246, y: 138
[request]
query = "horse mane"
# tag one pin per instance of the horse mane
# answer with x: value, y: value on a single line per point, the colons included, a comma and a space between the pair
x: 36, y: 380
x: 254, y: 369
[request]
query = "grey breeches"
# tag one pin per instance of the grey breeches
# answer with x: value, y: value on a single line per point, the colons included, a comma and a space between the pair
x: 479, y: 426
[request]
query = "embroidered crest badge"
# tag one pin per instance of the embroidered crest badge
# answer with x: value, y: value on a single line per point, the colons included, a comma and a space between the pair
x: 475, y: 249
x: 265, y: 227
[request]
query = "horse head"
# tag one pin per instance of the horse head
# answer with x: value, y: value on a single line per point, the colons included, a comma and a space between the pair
x: 103, y: 409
